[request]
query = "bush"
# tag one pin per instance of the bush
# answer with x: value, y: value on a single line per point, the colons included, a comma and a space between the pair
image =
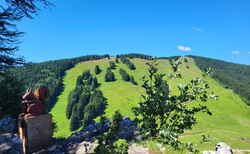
x: 108, y: 140
x: 162, y: 116
x: 121, y: 146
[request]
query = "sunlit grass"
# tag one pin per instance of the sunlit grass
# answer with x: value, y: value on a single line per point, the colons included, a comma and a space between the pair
x: 230, y: 119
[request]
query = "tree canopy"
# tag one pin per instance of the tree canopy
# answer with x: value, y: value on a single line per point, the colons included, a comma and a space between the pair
x: 12, y: 11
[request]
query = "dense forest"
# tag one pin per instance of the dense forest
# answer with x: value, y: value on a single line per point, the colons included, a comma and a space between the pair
x: 85, y: 102
x: 230, y: 75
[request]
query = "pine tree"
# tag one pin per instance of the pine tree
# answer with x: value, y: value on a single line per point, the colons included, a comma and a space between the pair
x: 83, y: 101
x: 132, y: 80
x: 94, y: 83
x: 89, y: 81
x: 74, y: 119
x: 112, y: 65
x: 71, y: 102
x: 109, y: 76
x: 97, y: 69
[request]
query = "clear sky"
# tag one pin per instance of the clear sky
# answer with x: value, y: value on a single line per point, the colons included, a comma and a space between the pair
x: 218, y: 29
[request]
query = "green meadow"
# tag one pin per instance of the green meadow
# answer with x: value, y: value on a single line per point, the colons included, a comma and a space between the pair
x: 229, y: 122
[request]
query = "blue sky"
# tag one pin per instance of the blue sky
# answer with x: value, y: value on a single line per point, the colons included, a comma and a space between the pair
x: 216, y: 29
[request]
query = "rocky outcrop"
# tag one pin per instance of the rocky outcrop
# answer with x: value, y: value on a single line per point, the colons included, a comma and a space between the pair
x: 7, y: 124
x: 10, y: 144
x: 82, y: 142
x: 223, y: 148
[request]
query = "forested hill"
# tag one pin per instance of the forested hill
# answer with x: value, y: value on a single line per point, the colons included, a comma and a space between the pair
x: 231, y: 75
x: 50, y: 73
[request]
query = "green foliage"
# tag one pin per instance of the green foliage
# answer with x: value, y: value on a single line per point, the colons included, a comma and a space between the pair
x: 163, y: 115
x: 109, y: 76
x: 124, y: 74
x: 132, y: 80
x: 97, y: 69
x: 94, y: 83
x: 116, y: 60
x: 11, y: 91
x: 121, y: 146
x: 112, y: 65
x: 134, y: 55
x: 107, y: 141
x: 82, y: 104
x: 49, y: 74
x: 128, y: 63
x: 11, y: 13
x: 208, y: 138
x: 190, y: 147
x: 235, y: 76
x: 229, y: 113
x: 94, y: 107
x: 74, y: 119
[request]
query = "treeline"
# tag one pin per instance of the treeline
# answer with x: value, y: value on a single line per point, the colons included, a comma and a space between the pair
x: 85, y: 102
x: 134, y: 55
x: 231, y: 75
x: 126, y: 77
x: 175, y: 58
x: 50, y: 74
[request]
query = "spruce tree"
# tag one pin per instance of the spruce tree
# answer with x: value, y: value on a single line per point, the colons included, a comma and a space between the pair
x: 132, y: 80
x: 94, y: 83
x: 97, y: 69
x: 112, y: 65
x: 89, y: 81
x: 74, y: 119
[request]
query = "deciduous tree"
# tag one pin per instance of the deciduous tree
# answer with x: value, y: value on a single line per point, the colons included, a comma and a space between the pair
x: 162, y: 115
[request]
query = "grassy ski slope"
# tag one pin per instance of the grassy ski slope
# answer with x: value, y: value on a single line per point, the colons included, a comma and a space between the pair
x: 230, y: 119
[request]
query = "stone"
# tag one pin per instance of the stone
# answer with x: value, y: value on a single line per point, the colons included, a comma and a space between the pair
x: 7, y: 124
x: 83, y: 141
x: 127, y: 129
x: 133, y: 149
x: 223, y: 148
x: 10, y: 143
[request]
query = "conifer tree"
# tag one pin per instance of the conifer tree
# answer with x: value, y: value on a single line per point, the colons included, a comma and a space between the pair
x: 74, y: 119
x: 97, y: 69
x: 132, y: 80
x: 89, y: 81
x: 94, y: 83
x: 109, y: 76
x: 112, y: 65
x: 71, y: 102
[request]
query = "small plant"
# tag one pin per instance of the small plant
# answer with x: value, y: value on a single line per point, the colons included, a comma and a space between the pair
x: 209, y: 138
x: 121, y: 146
x: 107, y: 142
x: 190, y: 147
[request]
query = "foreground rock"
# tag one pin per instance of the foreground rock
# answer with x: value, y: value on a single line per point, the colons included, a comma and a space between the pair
x: 11, y: 144
x: 83, y: 141
x: 7, y: 124
x: 221, y: 148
